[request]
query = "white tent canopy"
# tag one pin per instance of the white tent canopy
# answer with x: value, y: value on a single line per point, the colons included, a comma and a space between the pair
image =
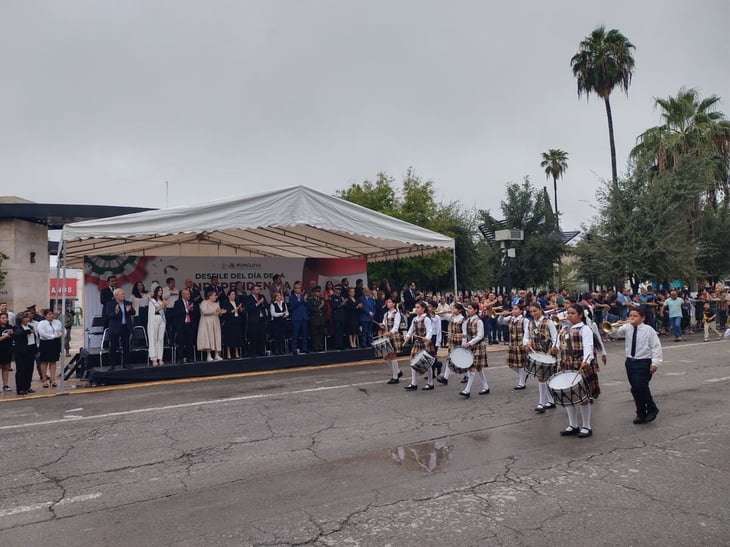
x: 291, y: 222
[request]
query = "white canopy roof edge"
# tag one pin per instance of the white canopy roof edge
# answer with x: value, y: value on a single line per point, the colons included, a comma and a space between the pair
x: 290, y: 222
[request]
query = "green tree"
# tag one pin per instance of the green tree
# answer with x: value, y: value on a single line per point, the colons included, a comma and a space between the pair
x: 555, y: 163
x: 525, y: 208
x: 415, y: 203
x: 691, y: 127
x: 604, y: 61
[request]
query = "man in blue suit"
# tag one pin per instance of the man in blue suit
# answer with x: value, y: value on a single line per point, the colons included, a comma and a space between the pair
x: 119, y: 312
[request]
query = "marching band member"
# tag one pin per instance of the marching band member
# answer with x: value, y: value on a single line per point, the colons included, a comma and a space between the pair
x: 420, y: 333
x: 540, y: 335
x: 473, y: 331
x: 390, y: 327
x: 516, y: 353
x: 577, y: 352
x: 435, y: 337
x: 455, y: 335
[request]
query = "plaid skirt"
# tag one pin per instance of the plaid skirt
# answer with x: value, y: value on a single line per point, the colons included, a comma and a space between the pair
x: 590, y: 374
x: 396, y: 339
x: 516, y: 356
x: 480, y: 355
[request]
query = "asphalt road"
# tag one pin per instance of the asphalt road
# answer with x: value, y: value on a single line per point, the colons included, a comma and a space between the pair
x: 337, y: 457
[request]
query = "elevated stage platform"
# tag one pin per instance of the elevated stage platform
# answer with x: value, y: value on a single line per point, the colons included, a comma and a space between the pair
x: 140, y: 372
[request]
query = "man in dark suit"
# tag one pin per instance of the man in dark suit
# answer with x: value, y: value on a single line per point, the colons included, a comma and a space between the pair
x: 184, y: 323
x: 409, y: 301
x: 337, y: 303
x: 255, y: 305
x: 107, y: 295
x: 119, y: 312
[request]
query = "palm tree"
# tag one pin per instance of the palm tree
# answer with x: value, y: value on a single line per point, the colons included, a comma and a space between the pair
x: 691, y: 127
x: 604, y: 61
x: 555, y: 162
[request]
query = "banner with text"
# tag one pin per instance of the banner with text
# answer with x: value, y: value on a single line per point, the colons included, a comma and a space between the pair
x: 250, y: 271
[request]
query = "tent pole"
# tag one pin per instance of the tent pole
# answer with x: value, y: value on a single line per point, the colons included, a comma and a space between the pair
x: 62, y: 361
x: 453, y: 254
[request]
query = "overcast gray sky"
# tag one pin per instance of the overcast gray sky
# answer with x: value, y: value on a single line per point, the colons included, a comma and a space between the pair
x: 104, y: 101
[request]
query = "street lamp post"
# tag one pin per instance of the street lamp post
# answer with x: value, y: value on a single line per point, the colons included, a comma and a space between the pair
x: 505, y: 237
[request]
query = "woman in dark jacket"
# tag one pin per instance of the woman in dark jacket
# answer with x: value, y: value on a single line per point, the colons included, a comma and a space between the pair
x: 232, y: 323
x: 26, y: 348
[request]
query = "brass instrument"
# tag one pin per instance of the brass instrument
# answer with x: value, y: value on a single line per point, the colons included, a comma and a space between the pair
x: 608, y: 328
x: 494, y: 310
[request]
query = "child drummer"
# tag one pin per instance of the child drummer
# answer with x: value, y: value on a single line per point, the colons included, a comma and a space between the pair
x: 455, y: 335
x: 420, y: 333
x: 390, y: 327
x: 540, y: 335
x: 473, y: 330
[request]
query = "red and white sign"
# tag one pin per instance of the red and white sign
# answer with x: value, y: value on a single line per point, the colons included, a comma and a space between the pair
x: 57, y: 288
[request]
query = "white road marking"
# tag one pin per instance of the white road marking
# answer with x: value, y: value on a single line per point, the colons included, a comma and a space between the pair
x: 46, y: 504
x: 74, y: 410
x: 185, y: 405
x: 713, y: 380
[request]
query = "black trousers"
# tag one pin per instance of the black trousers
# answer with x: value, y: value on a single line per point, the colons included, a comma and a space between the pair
x: 24, y: 368
x: 637, y: 371
x: 256, y: 338
x: 185, y: 341
x: 338, y: 338
x: 117, y: 341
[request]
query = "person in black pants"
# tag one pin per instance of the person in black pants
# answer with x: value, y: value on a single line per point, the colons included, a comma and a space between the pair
x: 26, y: 348
x: 337, y: 304
x: 643, y: 355
x: 119, y: 312
x: 185, y: 317
x: 255, y: 305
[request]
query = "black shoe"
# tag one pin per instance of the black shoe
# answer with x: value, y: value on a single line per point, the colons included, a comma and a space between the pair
x: 464, y: 380
x: 651, y: 415
x: 427, y: 387
x: 548, y: 406
x: 585, y: 432
x: 393, y: 381
x: 640, y: 419
x: 6, y: 388
x: 442, y: 380
x: 484, y: 391
x: 517, y: 388
x: 570, y: 430
x: 410, y: 387
x: 400, y: 374
x: 465, y: 395
x: 540, y: 409
x: 33, y: 391
x: 22, y: 393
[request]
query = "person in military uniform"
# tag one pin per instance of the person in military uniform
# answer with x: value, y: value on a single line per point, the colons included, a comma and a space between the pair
x: 315, y: 305
x: 337, y: 303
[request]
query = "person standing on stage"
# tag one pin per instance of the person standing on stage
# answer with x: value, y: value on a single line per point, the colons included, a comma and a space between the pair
x: 577, y: 352
x: 299, y: 318
x: 366, y: 317
x: 420, y: 334
x: 516, y: 353
x: 337, y: 304
x: 184, y: 313
x: 455, y: 336
x: 256, y: 307
x: 25, y: 350
x: 542, y: 336
x: 106, y: 295
x: 209, y: 330
x: 120, y: 314
x: 317, y: 322
x: 157, y: 325
x: 473, y: 331
x: 643, y: 356
x: 6, y: 349
x: 390, y: 327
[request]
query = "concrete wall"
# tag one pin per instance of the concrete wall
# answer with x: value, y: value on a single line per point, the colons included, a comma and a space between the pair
x: 26, y: 281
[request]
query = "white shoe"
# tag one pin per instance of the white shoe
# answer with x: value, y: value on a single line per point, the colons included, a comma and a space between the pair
x: 209, y: 358
x: 218, y: 358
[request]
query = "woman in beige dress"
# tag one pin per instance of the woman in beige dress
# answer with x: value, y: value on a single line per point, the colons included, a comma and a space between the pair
x: 209, y: 329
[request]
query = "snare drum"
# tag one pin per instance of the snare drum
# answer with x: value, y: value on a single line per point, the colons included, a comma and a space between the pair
x: 382, y: 346
x: 569, y: 388
x: 422, y: 361
x: 460, y: 360
x: 541, y: 365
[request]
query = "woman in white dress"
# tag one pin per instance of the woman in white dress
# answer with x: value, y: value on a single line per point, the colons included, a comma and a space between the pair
x: 209, y: 329
x: 156, y: 326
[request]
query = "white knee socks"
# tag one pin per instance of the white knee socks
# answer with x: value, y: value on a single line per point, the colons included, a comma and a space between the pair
x: 467, y: 389
x: 585, y: 414
x: 522, y: 376
x: 414, y: 377
x: 572, y: 418
x: 483, y: 378
x: 447, y: 373
x: 395, y: 367
x: 541, y: 393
